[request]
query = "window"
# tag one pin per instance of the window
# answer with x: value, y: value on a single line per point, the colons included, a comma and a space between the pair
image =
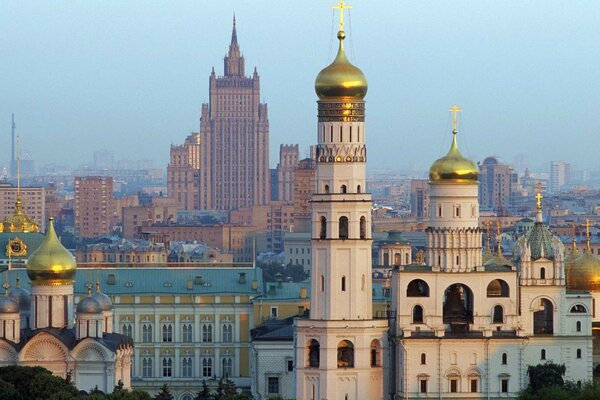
x: 498, y: 317
x: 363, y: 227
x: 186, y: 332
x: 453, y: 385
x: 542, y: 273
x: 578, y: 326
x: 343, y: 228
x: 314, y: 354
x: 457, y: 209
x: 167, y: 333
x: 504, y: 359
x: 375, y: 353
x: 227, y: 333
x: 326, y: 188
x: 345, y: 354
x: 167, y: 364
x: 578, y: 308
x: 290, y: 365
x: 543, y: 320
x: 417, y: 315
x: 272, y: 385
x: 343, y: 283
x: 543, y: 354
x: 227, y: 364
x: 417, y: 288
x: 578, y: 353
x: 207, y: 331
x: 186, y: 367
x: 473, y: 384
x: 146, y: 368
x: 273, y: 312
x: 504, y: 385
x: 207, y: 364
x: 147, y: 333
x: 187, y: 397
x: 358, y: 189
x: 323, y: 230
x: 128, y: 330
x: 322, y: 283
x: 423, y: 359
x: 423, y: 385
x: 343, y: 189
x: 498, y: 288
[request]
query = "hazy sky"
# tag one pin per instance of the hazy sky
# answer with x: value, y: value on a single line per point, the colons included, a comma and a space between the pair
x: 131, y: 75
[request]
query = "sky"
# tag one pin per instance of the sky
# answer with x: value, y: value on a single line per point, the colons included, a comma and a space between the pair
x: 130, y: 76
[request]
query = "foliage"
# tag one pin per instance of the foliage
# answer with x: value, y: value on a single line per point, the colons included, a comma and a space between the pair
x: 296, y: 272
x: 8, y: 391
x: 204, y: 393
x: 567, y: 391
x: 164, y: 394
x: 543, y: 375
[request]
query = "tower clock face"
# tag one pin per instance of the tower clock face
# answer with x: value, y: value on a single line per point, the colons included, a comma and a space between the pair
x: 16, y: 247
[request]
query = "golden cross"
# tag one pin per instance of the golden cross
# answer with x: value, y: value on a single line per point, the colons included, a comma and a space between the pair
x: 587, y: 234
x: 342, y: 6
x: 538, y: 196
x: 454, y: 110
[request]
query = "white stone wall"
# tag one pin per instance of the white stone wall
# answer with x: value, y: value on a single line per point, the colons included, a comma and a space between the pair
x: 270, y: 359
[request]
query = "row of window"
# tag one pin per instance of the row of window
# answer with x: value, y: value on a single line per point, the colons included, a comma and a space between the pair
x: 187, y: 367
x: 345, y: 354
x: 343, y: 228
x: 341, y: 134
x: 186, y: 332
x: 453, y: 385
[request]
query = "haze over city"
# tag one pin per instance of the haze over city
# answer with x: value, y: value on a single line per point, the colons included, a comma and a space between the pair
x: 131, y: 76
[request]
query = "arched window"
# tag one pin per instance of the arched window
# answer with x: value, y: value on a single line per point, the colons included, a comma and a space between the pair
x: 498, y: 317
x: 406, y: 259
x: 417, y: 315
x: 358, y: 189
x: 343, y: 228
x: 345, y: 354
x: 504, y: 359
x: 386, y: 259
x: 167, y: 333
x: 186, y: 333
x: 186, y: 367
x: 543, y: 319
x: 314, y: 354
x: 343, y: 283
x: 147, y: 333
x: 542, y: 273
x: 167, y: 364
x: 578, y: 353
x: 147, y: 367
x: 326, y: 189
x: 207, y: 364
x: 207, y: 333
x: 323, y: 230
x: 397, y: 259
x: 375, y: 353
x: 343, y: 189
x: 227, y: 333
x: 578, y: 326
x: 423, y: 358
x: 498, y: 288
x: 417, y: 288
x: 322, y: 283
x: 363, y: 228
x: 578, y: 308
x: 187, y: 396
x: 227, y: 364
x: 362, y: 282
x: 543, y: 354
x: 128, y: 330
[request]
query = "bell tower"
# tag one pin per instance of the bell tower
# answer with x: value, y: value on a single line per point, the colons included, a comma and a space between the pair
x: 339, y: 348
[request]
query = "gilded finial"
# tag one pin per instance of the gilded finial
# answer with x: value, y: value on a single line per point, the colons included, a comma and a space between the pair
x: 89, y: 289
x: 6, y: 285
x: 538, y: 196
x: 341, y: 6
x: 97, y: 286
x: 455, y: 110
x: 498, y: 238
x: 587, y: 235
x: 574, y: 248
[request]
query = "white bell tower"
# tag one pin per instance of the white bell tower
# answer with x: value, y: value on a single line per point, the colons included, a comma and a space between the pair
x: 339, y: 349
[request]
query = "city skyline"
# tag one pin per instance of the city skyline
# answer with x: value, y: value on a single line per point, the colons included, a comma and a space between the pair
x: 99, y: 76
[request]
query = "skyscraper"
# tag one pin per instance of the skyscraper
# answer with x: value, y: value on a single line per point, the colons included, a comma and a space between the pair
x: 339, y: 348
x: 183, y: 173
x: 234, y: 131
x: 288, y: 161
x: 94, y: 205
x: 498, y: 185
x: 560, y: 172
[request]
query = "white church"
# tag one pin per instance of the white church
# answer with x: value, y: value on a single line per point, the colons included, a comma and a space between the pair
x: 466, y: 326
x: 44, y: 328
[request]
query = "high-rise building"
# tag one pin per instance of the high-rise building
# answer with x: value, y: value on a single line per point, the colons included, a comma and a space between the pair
x: 234, y: 130
x: 288, y: 160
x: 560, y: 174
x: 305, y: 184
x: 30, y: 203
x: 498, y: 185
x: 339, y: 347
x: 94, y: 205
x: 183, y: 173
x: 419, y: 198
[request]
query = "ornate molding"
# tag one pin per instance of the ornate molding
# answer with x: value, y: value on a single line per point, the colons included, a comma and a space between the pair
x: 340, y: 153
x: 341, y: 111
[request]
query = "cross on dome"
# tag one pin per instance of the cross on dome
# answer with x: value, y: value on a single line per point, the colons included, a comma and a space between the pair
x: 341, y: 6
x: 454, y: 110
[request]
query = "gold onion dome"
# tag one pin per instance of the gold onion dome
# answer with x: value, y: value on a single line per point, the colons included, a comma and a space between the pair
x: 453, y: 167
x: 341, y: 79
x: 51, y: 263
x: 583, y: 273
x: 19, y: 222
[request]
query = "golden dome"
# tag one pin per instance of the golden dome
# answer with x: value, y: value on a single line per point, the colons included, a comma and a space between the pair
x: 453, y: 167
x: 51, y: 263
x: 583, y: 273
x: 341, y: 79
x: 19, y: 222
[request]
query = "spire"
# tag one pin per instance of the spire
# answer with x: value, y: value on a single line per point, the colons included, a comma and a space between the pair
x: 574, y: 245
x: 538, y: 197
x: 234, y: 33
x: 587, y: 235
x: 498, y: 238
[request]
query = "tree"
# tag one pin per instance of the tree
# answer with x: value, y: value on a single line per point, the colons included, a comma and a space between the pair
x: 204, y: 393
x: 544, y: 375
x: 8, y: 391
x: 164, y: 394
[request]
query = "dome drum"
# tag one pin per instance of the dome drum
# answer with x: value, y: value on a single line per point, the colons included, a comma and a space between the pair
x: 341, y: 111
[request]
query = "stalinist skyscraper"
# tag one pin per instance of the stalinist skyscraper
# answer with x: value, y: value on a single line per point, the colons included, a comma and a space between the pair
x: 234, y: 136
x: 339, y: 348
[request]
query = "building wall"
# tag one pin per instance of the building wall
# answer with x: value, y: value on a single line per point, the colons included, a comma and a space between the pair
x: 288, y: 161
x: 94, y: 205
x: 183, y: 173
x: 33, y: 200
